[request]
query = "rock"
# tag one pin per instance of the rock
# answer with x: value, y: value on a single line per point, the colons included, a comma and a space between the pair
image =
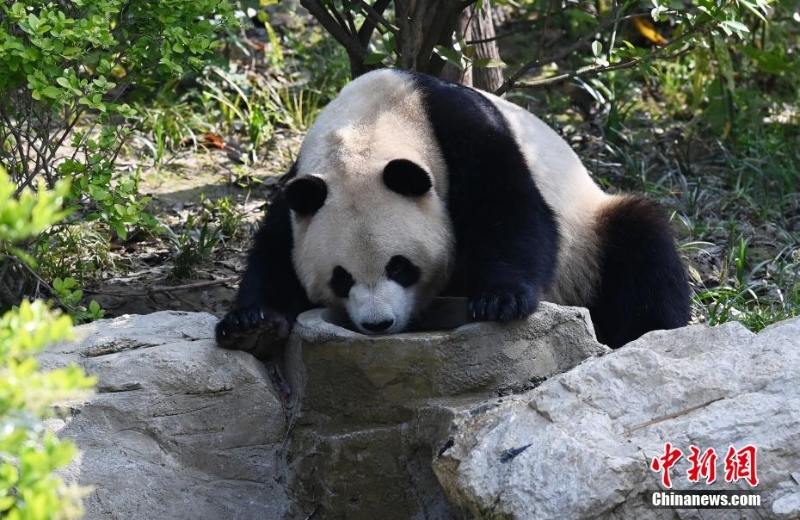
x: 374, y: 378
x: 580, y: 445
x: 533, y: 419
x: 179, y: 428
x: 373, y: 409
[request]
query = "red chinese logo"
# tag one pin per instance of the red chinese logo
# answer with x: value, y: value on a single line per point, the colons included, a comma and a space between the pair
x: 704, y: 465
x: 741, y: 464
x: 665, y: 462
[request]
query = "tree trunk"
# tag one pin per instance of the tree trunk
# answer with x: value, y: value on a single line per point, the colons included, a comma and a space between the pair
x: 424, y: 24
x: 478, y: 25
x: 421, y: 25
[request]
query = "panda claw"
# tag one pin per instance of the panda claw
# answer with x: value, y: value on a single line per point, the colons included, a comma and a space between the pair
x: 253, y: 329
x: 503, y: 305
x: 493, y: 307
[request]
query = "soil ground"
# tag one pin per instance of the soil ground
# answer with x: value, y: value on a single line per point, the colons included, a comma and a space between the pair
x: 176, y: 187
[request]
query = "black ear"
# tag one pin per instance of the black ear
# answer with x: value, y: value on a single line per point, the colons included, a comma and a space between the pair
x: 305, y: 195
x: 406, y: 178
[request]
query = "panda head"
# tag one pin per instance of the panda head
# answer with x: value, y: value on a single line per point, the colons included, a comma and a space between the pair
x: 372, y: 239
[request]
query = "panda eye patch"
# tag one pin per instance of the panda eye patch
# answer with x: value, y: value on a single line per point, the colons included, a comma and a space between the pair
x: 403, y: 271
x: 341, y: 282
x: 406, y: 178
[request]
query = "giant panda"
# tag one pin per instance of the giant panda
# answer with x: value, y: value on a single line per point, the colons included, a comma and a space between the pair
x: 407, y: 187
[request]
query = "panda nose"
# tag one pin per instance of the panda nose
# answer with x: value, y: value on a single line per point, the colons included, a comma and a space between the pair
x: 378, y: 326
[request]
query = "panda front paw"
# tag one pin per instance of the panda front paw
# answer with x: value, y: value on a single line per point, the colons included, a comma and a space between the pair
x: 254, y: 329
x: 503, y: 305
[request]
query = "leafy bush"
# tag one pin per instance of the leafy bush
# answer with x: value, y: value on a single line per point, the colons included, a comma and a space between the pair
x: 28, y: 455
x: 61, y: 61
x: 66, y: 71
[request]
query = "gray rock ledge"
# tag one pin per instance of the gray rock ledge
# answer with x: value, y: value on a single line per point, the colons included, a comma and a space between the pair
x: 533, y: 419
x: 583, y: 440
x: 179, y: 428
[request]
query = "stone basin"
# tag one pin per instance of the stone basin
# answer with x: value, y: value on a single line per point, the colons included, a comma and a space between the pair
x: 339, y: 371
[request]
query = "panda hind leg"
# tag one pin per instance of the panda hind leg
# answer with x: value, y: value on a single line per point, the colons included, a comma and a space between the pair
x: 643, y: 285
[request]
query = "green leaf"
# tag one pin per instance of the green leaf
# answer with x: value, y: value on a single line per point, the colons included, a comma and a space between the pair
x: 581, y: 16
x: 72, y: 52
x: 737, y: 26
x: 449, y: 55
x: 390, y: 42
x: 121, y: 231
x: 33, y: 21
x: 375, y: 58
x: 7, y: 502
x: 488, y: 63
x: 732, y: 26
x: 51, y: 92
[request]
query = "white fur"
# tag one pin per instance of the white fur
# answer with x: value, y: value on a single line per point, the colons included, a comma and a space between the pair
x: 386, y: 300
x: 375, y: 119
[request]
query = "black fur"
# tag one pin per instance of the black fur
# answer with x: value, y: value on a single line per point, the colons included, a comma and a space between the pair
x: 270, y: 294
x: 379, y: 326
x: 506, y: 235
x: 306, y: 195
x: 643, y: 282
x: 403, y: 271
x: 341, y: 282
x: 406, y: 178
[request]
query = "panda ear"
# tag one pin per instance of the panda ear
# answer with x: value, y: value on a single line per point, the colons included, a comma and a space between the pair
x: 406, y: 178
x: 305, y: 195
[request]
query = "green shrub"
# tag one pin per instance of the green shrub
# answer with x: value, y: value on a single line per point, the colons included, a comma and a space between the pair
x: 67, y: 70
x: 62, y: 61
x: 29, y: 455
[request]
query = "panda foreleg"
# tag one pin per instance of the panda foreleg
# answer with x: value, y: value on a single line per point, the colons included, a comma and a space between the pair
x: 508, y: 285
x: 506, y: 235
x: 270, y: 294
x: 506, y: 245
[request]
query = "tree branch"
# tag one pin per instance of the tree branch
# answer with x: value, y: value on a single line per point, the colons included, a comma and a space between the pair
x: 440, y: 27
x: 351, y: 44
x: 156, y: 289
x: 599, y: 69
x: 41, y: 281
x: 10, y: 125
x: 374, y: 18
x: 351, y: 23
x: 405, y: 42
x: 338, y: 17
x: 583, y: 40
